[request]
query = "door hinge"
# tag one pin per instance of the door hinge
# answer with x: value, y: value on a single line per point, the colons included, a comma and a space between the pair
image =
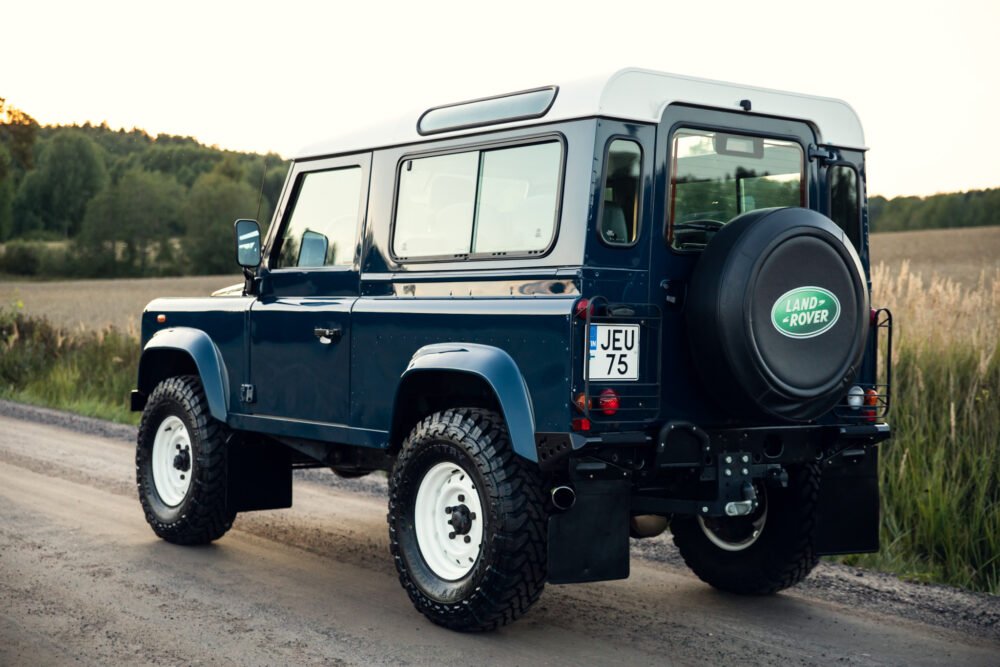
x: 824, y: 154
x: 247, y: 393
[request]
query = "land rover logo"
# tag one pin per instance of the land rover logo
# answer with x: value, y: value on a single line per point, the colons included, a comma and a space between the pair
x: 805, y: 312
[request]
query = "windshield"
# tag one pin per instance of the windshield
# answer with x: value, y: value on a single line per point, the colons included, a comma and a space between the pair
x: 716, y: 176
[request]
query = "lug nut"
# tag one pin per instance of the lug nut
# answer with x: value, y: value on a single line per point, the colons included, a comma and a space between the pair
x: 461, y: 498
x: 467, y: 539
x: 447, y: 510
x: 451, y: 536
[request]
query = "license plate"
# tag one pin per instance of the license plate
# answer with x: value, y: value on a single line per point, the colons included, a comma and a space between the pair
x: 614, y: 352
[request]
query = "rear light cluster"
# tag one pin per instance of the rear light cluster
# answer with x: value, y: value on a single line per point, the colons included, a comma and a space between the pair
x: 858, y: 398
x: 608, y: 402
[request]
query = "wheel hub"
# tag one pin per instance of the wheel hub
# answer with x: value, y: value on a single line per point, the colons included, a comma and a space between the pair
x: 461, y: 519
x: 182, y: 461
x: 171, y: 461
x: 448, y: 520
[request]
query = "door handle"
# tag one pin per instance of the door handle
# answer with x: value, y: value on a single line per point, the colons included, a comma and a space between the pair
x: 327, y: 336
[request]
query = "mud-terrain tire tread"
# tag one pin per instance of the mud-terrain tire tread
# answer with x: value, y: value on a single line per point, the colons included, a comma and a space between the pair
x: 202, y: 516
x: 760, y: 570
x: 516, y: 577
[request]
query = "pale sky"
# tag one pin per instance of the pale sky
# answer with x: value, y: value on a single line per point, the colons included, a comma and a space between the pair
x: 278, y: 75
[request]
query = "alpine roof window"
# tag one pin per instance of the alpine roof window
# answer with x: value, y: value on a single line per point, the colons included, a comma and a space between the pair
x: 488, y: 111
x: 488, y: 202
x: 719, y: 175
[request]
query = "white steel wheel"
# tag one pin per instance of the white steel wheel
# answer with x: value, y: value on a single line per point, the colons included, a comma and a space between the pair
x: 172, y: 461
x: 448, y: 521
x: 737, y: 533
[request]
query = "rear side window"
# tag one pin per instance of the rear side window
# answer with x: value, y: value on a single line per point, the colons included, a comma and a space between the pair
x: 845, y: 201
x: 717, y: 176
x: 478, y: 203
x: 323, y: 224
x: 619, y: 217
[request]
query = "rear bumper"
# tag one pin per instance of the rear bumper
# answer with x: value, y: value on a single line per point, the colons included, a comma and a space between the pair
x: 681, y: 444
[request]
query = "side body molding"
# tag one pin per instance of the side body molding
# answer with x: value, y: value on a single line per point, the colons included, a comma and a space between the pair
x: 499, y: 371
x: 197, y: 345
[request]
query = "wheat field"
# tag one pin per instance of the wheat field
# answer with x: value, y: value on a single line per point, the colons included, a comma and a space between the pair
x: 77, y: 305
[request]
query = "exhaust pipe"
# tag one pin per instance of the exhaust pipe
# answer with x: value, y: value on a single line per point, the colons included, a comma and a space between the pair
x: 563, y: 497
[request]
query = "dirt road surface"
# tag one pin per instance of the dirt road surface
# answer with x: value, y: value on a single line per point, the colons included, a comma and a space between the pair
x: 84, y: 581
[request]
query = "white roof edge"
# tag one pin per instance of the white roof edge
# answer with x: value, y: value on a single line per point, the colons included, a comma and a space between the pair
x: 635, y: 94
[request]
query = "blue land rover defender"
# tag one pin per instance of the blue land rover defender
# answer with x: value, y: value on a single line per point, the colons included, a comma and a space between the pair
x: 557, y: 318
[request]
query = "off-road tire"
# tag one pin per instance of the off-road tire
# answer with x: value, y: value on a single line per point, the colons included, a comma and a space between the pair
x: 510, y: 571
x: 202, y: 515
x: 781, y: 557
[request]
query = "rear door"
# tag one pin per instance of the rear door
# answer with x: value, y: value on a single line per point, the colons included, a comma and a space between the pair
x: 711, y: 166
x: 300, y: 326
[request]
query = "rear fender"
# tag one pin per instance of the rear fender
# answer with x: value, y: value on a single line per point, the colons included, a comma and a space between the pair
x: 172, y: 351
x: 498, y: 370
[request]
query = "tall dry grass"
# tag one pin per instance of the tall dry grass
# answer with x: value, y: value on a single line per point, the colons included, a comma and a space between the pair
x: 940, y: 472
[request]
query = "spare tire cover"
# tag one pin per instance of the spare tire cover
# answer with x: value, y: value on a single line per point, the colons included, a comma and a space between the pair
x: 777, y: 314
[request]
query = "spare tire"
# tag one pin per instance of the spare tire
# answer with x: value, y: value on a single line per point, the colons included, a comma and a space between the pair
x: 777, y: 315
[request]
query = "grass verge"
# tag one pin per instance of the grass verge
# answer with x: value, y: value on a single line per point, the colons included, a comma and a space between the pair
x: 90, y: 373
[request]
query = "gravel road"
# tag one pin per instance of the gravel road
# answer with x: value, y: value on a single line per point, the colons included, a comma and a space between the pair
x: 84, y: 581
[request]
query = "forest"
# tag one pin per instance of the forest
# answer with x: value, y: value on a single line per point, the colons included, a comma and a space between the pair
x: 88, y: 201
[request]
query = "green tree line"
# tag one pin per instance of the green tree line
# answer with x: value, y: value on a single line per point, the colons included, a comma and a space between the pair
x: 89, y: 201
x: 975, y: 208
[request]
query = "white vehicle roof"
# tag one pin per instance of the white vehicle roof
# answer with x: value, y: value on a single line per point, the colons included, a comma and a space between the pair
x: 630, y: 94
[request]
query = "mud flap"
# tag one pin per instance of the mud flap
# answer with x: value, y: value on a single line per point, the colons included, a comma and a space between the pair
x: 848, y: 521
x: 590, y: 541
x: 259, y: 476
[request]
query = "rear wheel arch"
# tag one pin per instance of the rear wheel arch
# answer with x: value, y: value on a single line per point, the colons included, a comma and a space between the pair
x: 449, y: 375
x: 422, y: 393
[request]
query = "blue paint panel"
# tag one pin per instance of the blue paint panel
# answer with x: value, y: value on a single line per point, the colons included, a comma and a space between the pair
x: 222, y: 318
x: 533, y: 333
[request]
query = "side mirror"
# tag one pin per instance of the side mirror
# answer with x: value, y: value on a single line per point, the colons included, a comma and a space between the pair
x: 247, y: 243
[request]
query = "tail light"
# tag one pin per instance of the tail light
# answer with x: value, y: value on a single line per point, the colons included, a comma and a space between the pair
x: 871, y: 401
x: 608, y: 402
x: 581, y: 307
x: 581, y: 424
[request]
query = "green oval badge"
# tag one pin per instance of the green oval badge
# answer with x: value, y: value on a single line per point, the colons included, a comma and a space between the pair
x: 805, y: 312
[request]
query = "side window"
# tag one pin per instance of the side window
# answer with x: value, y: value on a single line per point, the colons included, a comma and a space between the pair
x: 322, y: 227
x: 484, y: 202
x: 845, y: 201
x: 619, y: 223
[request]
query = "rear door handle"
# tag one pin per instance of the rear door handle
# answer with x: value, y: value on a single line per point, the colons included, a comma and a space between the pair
x: 327, y: 336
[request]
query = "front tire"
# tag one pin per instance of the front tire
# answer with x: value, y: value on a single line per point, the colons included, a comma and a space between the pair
x: 180, y: 464
x: 768, y: 551
x: 467, y: 522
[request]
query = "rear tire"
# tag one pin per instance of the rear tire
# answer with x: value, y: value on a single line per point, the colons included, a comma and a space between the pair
x: 467, y: 522
x: 180, y: 464
x: 732, y: 558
